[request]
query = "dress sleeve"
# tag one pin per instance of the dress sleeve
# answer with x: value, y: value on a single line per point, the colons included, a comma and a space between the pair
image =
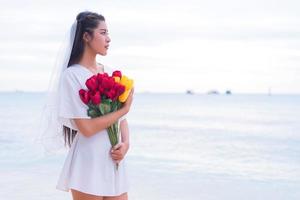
x: 70, y: 104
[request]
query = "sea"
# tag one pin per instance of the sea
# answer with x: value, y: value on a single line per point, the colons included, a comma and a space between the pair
x: 182, y: 147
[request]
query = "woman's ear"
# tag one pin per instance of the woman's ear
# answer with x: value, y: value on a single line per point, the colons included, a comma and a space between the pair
x: 86, y: 37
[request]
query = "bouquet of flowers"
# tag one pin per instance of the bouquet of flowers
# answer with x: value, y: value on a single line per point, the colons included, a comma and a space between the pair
x: 106, y: 94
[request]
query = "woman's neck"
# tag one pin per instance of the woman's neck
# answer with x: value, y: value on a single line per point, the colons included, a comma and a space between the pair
x: 88, y: 59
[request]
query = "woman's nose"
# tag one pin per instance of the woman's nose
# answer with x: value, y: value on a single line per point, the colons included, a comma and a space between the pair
x: 108, y: 39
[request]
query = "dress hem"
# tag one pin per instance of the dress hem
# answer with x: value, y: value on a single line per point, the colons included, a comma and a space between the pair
x: 83, y: 191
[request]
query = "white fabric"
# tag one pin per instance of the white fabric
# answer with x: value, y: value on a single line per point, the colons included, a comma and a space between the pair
x: 49, y: 126
x: 88, y: 167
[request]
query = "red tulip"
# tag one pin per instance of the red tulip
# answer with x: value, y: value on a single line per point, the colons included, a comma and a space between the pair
x: 96, y: 97
x: 117, y: 73
x: 84, y: 96
x: 105, y: 74
x: 119, y: 89
x: 108, y: 83
x: 111, y: 94
x: 101, y: 89
x: 92, y: 83
x: 100, y: 77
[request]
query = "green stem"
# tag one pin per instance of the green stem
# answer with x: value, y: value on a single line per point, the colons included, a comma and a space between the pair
x: 112, y: 136
x: 115, y: 126
x: 113, y: 139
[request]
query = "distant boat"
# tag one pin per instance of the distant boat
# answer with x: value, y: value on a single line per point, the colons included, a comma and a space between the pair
x: 228, y: 92
x: 189, y: 92
x: 19, y: 91
x: 213, y: 92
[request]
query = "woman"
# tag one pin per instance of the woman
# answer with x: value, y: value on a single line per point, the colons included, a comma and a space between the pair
x: 89, y: 169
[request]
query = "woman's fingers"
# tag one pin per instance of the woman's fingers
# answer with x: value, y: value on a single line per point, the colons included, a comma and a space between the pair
x: 129, y: 99
x: 131, y: 91
x: 117, y: 146
x: 117, y: 155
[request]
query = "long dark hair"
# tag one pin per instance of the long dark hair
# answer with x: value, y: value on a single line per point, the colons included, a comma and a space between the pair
x: 86, y: 22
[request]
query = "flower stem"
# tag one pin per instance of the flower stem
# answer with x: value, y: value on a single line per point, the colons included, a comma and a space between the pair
x: 113, y: 137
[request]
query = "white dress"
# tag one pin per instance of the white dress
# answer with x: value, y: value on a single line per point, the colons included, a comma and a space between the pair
x: 88, y: 166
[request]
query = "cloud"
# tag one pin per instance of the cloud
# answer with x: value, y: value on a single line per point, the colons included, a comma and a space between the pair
x: 236, y: 44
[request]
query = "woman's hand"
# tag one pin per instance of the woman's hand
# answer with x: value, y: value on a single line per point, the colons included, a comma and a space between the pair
x: 119, y: 151
x: 128, y: 101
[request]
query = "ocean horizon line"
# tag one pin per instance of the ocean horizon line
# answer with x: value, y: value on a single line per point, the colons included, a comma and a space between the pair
x: 170, y: 92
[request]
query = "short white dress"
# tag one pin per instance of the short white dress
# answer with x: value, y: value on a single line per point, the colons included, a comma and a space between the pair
x: 88, y: 166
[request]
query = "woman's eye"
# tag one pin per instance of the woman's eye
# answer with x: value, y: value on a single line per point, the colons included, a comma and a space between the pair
x: 104, y: 33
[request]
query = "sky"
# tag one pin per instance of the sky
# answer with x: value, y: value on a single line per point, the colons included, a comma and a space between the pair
x: 246, y: 46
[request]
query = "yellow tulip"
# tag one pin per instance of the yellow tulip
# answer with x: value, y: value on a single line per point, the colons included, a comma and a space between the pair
x: 123, y: 80
x: 128, y: 83
x: 123, y: 97
x: 117, y: 79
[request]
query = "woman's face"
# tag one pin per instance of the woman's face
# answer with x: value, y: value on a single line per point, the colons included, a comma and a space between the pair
x: 100, y: 41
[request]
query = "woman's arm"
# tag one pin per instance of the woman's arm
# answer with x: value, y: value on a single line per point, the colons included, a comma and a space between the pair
x: 124, y: 132
x: 89, y: 127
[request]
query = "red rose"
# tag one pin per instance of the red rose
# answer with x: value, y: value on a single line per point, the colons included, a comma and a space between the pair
x: 84, y: 96
x: 92, y: 83
x: 96, y: 97
x: 117, y: 73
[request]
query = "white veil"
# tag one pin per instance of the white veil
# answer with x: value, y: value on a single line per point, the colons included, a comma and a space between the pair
x: 50, y: 130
